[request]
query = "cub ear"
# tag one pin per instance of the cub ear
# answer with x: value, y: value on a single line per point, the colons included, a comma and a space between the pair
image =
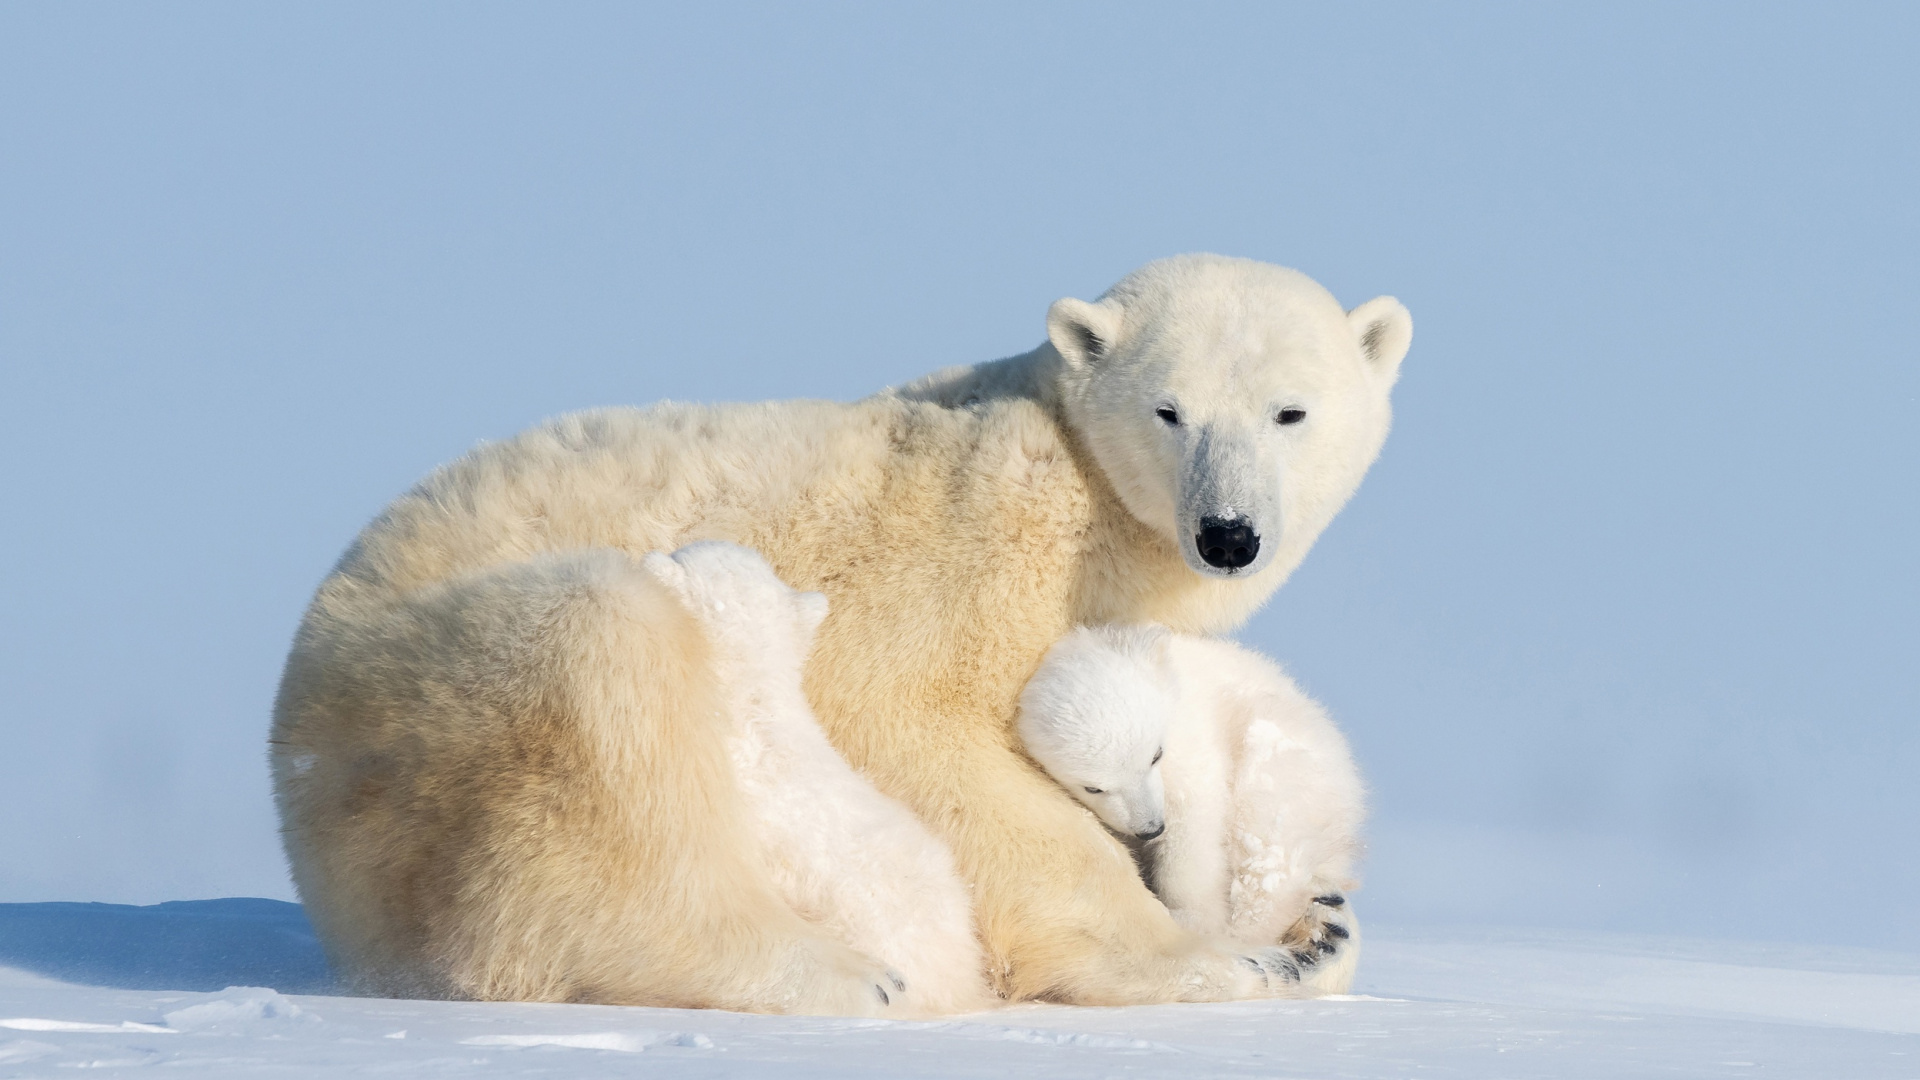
x: 1146, y: 643
x: 1157, y: 638
x: 1384, y: 329
x: 1083, y: 333
x: 1160, y: 641
x: 813, y: 611
x: 668, y: 572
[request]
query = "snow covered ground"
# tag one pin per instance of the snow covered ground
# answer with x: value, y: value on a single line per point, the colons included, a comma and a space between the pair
x: 126, y: 989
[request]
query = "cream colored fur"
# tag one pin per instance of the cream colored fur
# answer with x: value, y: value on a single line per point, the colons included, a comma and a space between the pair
x: 845, y: 857
x: 1257, y: 790
x: 496, y: 752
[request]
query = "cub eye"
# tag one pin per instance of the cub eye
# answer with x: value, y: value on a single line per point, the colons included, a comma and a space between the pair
x: 1094, y: 790
x: 1165, y: 412
x: 1156, y: 756
x: 1291, y: 416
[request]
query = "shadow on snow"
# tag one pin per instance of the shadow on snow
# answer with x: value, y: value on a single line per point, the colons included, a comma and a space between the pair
x: 178, y: 945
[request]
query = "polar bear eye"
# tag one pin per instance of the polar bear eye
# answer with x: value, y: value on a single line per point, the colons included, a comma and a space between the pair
x: 1291, y: 416
x: 1095, y: 790
x: 1165, y: 412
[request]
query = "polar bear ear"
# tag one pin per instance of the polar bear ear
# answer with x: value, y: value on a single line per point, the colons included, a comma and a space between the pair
x: 1384, y: 329
x: 669, y: 573
x: 1152, y: 637
x: 813, y: 611
x: 1082, y: 333
x: 1159, y: 643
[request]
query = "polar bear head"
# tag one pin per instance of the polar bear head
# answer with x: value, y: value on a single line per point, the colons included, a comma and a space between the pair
x: 1232, y: 404
x: 760, y: 628
x: 1094, y: 716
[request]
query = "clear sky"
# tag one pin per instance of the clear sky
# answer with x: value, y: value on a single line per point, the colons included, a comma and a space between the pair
x: 1623, y: 625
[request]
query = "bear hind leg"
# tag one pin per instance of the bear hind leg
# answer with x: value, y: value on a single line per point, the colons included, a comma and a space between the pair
x: 557, y: 818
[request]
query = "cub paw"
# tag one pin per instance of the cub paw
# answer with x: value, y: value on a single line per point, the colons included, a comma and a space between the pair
x: 848, y: 983
x: 894, y: 987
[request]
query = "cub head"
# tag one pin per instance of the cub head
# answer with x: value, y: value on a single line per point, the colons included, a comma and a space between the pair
x: 1094, y: 716
x: 1232, y: 404
x: 751, y: 616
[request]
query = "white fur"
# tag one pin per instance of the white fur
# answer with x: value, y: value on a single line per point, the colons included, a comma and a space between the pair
x: 496, y: 754
x: 1095, y: 716
x: 1178, y: 378
x: 1262, y: 802
x: 846, y: 857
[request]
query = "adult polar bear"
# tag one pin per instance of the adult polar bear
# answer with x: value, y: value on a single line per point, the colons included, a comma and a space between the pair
x: 495, y: 753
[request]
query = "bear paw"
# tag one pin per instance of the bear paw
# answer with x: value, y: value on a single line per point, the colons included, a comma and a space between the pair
x: 1325, y: 944
x: 848, y: 983
x: 1278, y: 968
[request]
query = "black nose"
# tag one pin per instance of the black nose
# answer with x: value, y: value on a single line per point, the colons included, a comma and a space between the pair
x: 1227, y: 544
x: 1151, y: 831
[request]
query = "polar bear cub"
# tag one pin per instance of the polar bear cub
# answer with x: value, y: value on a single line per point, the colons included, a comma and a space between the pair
x: 1241, y: 788
x: 847, y: 858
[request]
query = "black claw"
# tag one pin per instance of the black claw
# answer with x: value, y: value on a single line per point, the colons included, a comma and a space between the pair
x: 898, y: 983
x: 1331, y: 900
x: 1325, y: 948
x: 882, y: 991
x: 1336, y: 930
x: 1275, y: 965
x: 1304, y: 958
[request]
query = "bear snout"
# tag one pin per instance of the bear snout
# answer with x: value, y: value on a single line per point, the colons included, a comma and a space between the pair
x: 1227, y: 543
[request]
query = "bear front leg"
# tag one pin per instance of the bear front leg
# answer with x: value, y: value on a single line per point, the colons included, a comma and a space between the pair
x: 1326, y: 943
x: 1063, y: 912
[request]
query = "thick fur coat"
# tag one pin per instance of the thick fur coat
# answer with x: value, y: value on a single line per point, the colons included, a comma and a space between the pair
x: 845, y: 857
x: 1240, y: 785
x: 499, y: 748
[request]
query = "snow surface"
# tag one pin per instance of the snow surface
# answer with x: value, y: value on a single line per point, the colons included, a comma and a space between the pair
x: 85, y: 986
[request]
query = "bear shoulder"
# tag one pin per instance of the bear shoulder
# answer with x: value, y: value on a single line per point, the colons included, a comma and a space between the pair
x: 1030, y: 376
x: 638, y: 479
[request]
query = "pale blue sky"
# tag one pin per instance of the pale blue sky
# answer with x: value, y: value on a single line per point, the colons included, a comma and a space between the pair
x: 1623, y: 626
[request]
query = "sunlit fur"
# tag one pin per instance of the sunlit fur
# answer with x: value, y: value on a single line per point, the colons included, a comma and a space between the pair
x: 495, y: 751
x: 844, y: 856
x: 1226, y: 345
x: 1096, y: 716
x: 1263, y: 805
